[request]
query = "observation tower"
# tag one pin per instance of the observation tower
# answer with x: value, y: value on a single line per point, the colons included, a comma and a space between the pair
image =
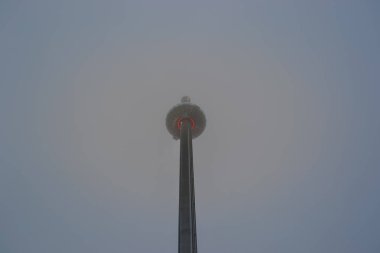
x: 186, y: 121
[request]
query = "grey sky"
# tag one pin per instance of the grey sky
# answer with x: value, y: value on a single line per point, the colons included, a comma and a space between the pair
x: 289, y: 160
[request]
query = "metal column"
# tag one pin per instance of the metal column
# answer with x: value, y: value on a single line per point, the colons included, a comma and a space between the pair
x: 187, y: 234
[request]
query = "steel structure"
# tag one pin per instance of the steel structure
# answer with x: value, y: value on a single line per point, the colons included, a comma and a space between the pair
x: 186, y: 121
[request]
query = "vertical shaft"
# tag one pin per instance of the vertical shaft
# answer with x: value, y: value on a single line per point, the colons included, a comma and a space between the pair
x: 187, y: 240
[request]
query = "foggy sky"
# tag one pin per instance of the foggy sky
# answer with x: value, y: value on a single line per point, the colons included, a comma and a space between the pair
x: 289, y: 160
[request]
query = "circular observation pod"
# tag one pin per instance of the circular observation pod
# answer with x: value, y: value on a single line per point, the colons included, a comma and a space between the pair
x: 185, y: 111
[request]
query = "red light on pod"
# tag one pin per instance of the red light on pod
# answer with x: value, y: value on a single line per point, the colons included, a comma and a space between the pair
x: 192, y: 122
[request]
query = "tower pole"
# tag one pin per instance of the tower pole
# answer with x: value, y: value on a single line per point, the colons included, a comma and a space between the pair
x: 187, y: 239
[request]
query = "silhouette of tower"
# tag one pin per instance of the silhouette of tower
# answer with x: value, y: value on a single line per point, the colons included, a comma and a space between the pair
x: 186, y: 121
